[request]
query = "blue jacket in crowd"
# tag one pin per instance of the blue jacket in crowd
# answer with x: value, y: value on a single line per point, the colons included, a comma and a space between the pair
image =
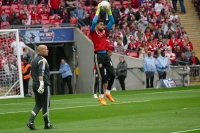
x: 65, y: 70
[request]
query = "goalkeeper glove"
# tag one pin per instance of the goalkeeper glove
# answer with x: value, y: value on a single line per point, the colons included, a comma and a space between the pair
x: 41, y: 87
x: 109, y: 12
x: 98, y: 9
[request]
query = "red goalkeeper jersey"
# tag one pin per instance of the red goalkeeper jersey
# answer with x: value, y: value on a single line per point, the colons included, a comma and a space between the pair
x: 99, y: 40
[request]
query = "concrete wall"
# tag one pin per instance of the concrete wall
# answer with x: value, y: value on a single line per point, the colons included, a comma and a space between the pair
x: 86, y: 63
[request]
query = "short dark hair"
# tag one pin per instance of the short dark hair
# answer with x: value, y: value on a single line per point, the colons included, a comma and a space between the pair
x: 100, y: 20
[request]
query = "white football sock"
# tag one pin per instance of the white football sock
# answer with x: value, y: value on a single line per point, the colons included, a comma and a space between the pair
x: 108, y: 92
x: 101, y: 95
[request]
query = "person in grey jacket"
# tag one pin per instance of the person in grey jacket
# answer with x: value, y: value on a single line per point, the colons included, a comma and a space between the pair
x: 121, y: 71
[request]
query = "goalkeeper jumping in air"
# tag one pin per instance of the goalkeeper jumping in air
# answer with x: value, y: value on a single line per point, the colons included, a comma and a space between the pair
x: 98, y: 33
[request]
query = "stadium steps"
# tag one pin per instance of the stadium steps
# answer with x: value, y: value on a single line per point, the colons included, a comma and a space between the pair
x: 191, y: 23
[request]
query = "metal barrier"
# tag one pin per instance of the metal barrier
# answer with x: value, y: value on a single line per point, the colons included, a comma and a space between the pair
x: 194, y: 73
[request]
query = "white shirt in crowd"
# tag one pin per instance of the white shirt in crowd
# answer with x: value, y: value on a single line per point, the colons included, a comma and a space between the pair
x: 158, y: 7
x: 21, y: 47
x: 173, y: 16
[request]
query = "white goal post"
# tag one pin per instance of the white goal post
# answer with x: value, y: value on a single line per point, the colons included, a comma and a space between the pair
x: 11, y: 80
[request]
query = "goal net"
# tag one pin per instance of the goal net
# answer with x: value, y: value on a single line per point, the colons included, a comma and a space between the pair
x: 11, y: 82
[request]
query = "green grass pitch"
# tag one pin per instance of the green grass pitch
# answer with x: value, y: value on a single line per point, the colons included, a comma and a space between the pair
x: 141, y: 111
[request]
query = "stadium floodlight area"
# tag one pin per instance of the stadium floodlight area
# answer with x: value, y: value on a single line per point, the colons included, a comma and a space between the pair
x: 11, y: 82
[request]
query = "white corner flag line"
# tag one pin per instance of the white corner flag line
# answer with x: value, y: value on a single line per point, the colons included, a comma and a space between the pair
x: 78, y: 106
x: 185, y: 131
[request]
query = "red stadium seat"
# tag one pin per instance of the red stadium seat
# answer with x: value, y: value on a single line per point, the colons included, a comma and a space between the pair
x: 117, y: 3
x: 44, y: 17
x: 31, y: 6
x: 5, y: 7
x: 14, y: 7
x: 39, y: 6
x: 73, y: 21
x: 125, y: 4
x: 5, y: 25
x: 51, y: 17
x: 133, y: 54
x: 45, y: 22
x: 7, y: 11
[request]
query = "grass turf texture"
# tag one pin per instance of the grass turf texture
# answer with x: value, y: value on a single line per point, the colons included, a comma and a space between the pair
x: 139, y: 111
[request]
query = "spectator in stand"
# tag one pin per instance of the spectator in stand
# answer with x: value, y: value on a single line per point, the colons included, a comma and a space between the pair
x: 173, y: 24
x: 182, y: 61
x: 23, y: 11
x: 164, y: 26
x: 4, y: 17
x: 158, y: 6
x: 132, y: 45
x: 129, y: 8
x: 188, y: 53
x: 110, y: 43
x: 174, y: 2
x: 168, y: 5
x: 194, y: 61
x: 16, y: 20
x: 43, y: 11
x: 28, y: 2
x: 143, y: 22
x: 138, y: 14
x: 119, y: 49
x: 187, y: 42
x: 139, y: 34
x: 79, y: 12
x: 171, y: 56
x: 12, y: 15
x: 141, y: 49
x: 178, y: 22
x: 35, y: 16
x: 173, y: 15
x: 64, y: 14
x: 26, y: 20
x: 131, y: 16
x: 162, y: 64
x: 87, y: 20
x: 159, y: 32
x: 182, y: 6
x: 116, y: 13
x: 54, y: 6
x: 149, y: 65
x: 22, y: 46
x: 71, y: 6
x: 178, y: 51
x: 121, y: 71
x: 169, y: 32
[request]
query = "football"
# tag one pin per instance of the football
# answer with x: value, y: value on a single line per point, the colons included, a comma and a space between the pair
x: 105, y: 5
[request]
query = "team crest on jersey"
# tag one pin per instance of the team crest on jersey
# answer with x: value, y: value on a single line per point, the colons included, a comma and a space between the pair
x: 101, y: 34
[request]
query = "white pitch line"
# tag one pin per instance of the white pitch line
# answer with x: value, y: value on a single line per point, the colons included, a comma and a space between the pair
x: 77, y: 107
x: 178, y: 91
x: 186, y: 130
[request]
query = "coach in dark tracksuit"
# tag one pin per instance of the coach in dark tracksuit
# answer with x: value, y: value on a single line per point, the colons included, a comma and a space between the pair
x: 121, y: 71
x: 41, y: 87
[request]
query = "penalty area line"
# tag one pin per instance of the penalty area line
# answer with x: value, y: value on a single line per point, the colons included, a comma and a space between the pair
x: 197, y: 129
x: 78, y: 106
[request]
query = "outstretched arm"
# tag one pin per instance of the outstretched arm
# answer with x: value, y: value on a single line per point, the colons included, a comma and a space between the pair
x: 95, y: 19
x: 109, y: 25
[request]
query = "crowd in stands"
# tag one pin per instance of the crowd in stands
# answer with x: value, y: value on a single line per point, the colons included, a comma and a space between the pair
x: 152, y: 26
